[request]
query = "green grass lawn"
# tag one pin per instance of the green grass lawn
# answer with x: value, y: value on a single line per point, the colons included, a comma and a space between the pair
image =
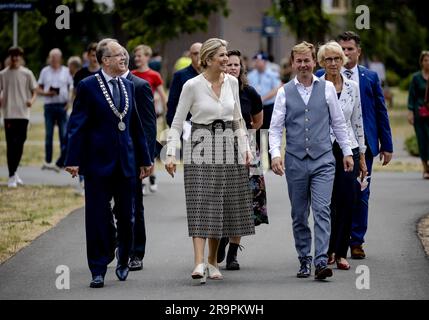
x: 26, y: 212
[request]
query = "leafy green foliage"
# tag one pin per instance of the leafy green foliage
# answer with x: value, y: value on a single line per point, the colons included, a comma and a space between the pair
x: 398, y: 33
x: 411, y: 145
x: 153, y: 22
x: 38, y: 33
x: 304, y: 17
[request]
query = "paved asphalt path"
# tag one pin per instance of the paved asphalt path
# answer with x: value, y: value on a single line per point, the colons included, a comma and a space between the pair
x: 398, y: 268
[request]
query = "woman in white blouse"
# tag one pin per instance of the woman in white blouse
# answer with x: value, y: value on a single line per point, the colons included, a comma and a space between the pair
x: 346, y: 187
x: 218, y: 195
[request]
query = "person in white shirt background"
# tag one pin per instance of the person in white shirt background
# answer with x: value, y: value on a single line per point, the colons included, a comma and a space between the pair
x: 55, y: 84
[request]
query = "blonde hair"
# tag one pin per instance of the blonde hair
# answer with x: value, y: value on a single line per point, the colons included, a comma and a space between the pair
x: 303, y: 47
x: 144, y: 48
x: 209, y: 49
x: 330, y: 46
x: 75, y: 61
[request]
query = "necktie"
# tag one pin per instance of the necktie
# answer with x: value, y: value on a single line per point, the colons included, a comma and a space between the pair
x: 348, y: 73
x: 115, y: 93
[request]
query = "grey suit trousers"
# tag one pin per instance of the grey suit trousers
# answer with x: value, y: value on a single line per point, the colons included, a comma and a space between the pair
x: 310, y: 183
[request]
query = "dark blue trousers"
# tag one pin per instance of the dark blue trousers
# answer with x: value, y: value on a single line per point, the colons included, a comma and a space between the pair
x: 99, y: 223
x: 139, y: 241
x: 139, y: 244
x: 55, y: 113
x: 360, y: 216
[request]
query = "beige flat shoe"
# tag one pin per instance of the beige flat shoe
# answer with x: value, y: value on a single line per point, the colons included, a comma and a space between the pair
x: 213, y: 272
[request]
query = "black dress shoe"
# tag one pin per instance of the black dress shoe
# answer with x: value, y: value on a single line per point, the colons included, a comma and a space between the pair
x: 221, y: 249
x: 304, y: 270
x: 322, y: 272
x: 135, y: 264
x: 122, y: 272
x: 97, y: 282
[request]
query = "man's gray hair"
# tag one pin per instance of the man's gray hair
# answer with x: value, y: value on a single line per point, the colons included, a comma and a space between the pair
x: 127, y: 57
x: 102, y: 49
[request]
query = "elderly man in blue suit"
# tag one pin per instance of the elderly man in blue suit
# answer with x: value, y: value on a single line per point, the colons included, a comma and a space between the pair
x: 105, y: 144
x: 377, y: 130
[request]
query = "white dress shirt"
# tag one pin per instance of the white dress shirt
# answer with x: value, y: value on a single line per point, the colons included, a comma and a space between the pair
x: 56, y: 78
x: 125, y: 75
x: 355, y: 75
x: 349, y: 102
x: 109, y: 84
x: 337, y: 121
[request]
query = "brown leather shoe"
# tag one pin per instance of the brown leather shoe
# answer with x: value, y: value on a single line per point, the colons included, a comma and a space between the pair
x: 357, y: 252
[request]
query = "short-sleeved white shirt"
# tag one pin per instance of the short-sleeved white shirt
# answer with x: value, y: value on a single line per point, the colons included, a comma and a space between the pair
x: 56, y: 78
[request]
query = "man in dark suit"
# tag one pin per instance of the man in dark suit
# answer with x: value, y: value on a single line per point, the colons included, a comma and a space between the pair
x: 179, y: 79
x: 105, y: 142
x: 376, y: 126
x: 146, y: 109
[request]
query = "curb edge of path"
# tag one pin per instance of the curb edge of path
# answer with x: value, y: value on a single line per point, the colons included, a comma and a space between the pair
x: 423, y: 233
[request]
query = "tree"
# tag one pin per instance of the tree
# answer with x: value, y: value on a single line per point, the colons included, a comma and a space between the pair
x: 304, y: 17
x: 38, y: 32
x: 153, y: 22
x: 398, y: 32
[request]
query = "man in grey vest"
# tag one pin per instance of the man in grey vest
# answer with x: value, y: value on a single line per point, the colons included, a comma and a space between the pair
x: 307, y: 107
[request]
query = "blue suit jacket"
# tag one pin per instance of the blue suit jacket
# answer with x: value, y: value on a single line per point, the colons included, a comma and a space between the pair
x: 374, y: 112
x: 179, y: 79
x: 146, y: 110
x: 95, y: 143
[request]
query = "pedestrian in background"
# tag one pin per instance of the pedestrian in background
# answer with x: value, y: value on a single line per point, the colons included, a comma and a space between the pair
x: 146, y: 110
x: 55, y: 84
x: 18, y: 89
x: 251, y: 109
x: 179, y: 79
x: 418, y: 110
x: 266, y: 84
x: 91, y: 68
x: 142, y: 55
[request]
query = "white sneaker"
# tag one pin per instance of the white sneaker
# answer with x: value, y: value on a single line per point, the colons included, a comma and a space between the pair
x: 47, y: 166
x: 19, y: 180
x: 11, y: 183
x: 51, y: 166
x: 80, y: 189
x: 153, y: 187
x: 144, y: 189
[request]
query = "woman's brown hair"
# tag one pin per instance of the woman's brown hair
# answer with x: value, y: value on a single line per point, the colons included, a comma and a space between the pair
x: 242, y: 78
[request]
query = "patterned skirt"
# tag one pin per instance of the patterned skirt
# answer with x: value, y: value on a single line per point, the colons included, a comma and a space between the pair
x: 218, y: 194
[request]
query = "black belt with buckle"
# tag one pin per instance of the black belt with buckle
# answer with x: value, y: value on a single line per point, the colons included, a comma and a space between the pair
x: 218, y: 124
